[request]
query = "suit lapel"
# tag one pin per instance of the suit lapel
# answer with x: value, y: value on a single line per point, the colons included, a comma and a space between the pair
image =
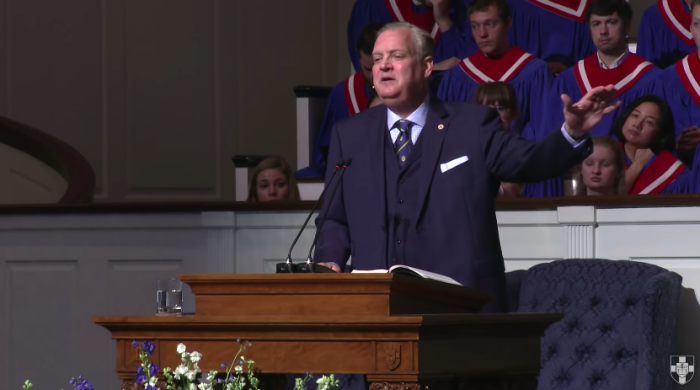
x: 433, y: 135
x: 377, y: 133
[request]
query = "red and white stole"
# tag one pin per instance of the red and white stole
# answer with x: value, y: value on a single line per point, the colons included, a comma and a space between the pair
x: 355, y: 96
x: 689, y: 72
x: 662, y: 171
x: 484, y: 70
x: 589, y: 74
x: 677, y: 19
x: 570, y: 9
x: 402, y: 11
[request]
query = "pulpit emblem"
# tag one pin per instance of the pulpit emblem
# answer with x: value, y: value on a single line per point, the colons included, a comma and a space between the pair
x: 393, y: 355
x: 682, y: 368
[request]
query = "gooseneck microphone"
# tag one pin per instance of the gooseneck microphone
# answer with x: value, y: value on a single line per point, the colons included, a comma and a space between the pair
x: 288, y: 266
x: 310, y: 266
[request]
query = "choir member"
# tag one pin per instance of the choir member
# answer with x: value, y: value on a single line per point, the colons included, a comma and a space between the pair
x: 603, y: 171
x: 610, y: 22
x: 664, y: 32
x: 502, y: 98
x: 498, y: 60
x: 443, y: 19
x: 645, y: 129
x: 350, y: 97
x: 553, y: 30
x: 273, y: 180
x: 679, y: 86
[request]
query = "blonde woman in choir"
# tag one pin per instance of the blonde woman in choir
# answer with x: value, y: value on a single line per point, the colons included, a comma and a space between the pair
x: 273, y: 180
x: 603, y: 172
x: 502, y: 97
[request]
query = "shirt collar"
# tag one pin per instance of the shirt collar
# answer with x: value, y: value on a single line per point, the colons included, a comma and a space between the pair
x: 419, y: 116
x: 615, y: 63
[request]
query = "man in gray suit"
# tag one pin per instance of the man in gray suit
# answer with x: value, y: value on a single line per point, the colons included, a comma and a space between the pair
x: 425, y: 173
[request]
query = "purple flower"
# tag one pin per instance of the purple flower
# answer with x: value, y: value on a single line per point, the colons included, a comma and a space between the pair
x: 135, y: 344
x: 140, y: 375
x: 154, y: 369
x: 148, y: 347
x: 80, y: 384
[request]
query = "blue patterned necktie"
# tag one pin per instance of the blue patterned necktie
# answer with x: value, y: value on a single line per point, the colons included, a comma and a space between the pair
x: 403, y: 142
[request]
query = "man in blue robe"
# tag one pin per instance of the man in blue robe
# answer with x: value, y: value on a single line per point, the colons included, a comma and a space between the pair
x: 349, y: 97
x: 498, y: 60
x: 552, y: 30
x: 664, y: 36
x: 443, y: 19
x: 609, y: 22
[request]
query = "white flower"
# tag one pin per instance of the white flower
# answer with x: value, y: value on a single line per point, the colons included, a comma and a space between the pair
x: 181, y: 348
x: 195, y: 356
x: 205, y: 386
x: 238, y: 368
x: 185, y: 357
x: 180, y: 370
x: 191, y: 375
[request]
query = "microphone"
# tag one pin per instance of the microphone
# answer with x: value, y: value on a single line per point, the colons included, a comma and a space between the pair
x: 288, y: 266
x: 310, y: 266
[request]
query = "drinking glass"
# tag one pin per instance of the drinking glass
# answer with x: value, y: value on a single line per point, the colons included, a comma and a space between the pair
x: 169, y: 297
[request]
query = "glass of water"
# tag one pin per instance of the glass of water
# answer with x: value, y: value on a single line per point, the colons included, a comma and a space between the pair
x: 169, y: 297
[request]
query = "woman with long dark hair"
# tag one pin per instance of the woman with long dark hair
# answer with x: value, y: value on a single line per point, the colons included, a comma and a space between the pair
x: 645, y: 130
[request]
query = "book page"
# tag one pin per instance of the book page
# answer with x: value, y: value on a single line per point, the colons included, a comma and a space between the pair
x: 426, y: 274
x: 370, y: 271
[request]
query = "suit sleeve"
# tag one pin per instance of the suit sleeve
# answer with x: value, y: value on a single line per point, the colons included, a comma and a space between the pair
x: 333, y: 244
x: 511, y: 158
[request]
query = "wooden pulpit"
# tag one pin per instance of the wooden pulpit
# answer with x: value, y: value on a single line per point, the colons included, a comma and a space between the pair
x: 403, y: 332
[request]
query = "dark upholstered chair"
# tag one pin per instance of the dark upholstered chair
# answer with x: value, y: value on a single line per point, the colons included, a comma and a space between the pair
x: 619, y: 325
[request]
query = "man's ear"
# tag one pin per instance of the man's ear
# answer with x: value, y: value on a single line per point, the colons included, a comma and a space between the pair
x: 428, y: 65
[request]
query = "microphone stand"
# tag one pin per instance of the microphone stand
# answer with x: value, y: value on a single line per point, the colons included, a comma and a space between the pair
x: 310, y: 266
x: 288, y: 266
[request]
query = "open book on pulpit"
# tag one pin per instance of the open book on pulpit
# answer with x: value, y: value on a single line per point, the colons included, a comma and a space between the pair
x: 406, y: 270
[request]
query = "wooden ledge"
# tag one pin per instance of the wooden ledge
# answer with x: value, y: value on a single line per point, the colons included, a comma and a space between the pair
x: 604, y: 202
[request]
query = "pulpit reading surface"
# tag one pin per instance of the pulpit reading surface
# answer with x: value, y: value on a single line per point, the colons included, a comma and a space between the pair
x: 344, y: 323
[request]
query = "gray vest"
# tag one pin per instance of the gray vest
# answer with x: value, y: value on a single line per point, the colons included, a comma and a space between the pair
x: 401, y: 198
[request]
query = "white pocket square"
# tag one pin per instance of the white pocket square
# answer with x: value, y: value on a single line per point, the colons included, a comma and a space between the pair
x: 451, y: 164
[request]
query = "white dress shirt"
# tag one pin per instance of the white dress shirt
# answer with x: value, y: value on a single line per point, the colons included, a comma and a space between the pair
x: 615, y: 63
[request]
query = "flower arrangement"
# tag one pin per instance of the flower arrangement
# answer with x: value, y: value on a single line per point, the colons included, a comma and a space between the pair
x: 187, y: 376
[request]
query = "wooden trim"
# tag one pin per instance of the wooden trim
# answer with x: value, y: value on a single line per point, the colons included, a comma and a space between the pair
x: 604, y: 202
x: 55, y: 153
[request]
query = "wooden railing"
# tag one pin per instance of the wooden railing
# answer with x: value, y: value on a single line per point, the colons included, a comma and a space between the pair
x: 58, y: 155
x: 600, y: 202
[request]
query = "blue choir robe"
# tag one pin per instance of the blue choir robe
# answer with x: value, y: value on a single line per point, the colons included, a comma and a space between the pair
x: 663, y: 174
x: 348, y: 98
x: 530, y: 77
x: 450, y: 43
x: 552, y: 30
x: 634, y: 77
x: 664, y: 36
x: 679, y: 85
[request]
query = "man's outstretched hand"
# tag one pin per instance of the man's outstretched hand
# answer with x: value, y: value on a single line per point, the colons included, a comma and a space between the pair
x: 581, y: 117
x: 332, y: 266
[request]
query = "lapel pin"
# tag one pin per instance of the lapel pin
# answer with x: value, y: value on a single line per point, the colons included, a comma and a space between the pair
x: 441, y: 126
